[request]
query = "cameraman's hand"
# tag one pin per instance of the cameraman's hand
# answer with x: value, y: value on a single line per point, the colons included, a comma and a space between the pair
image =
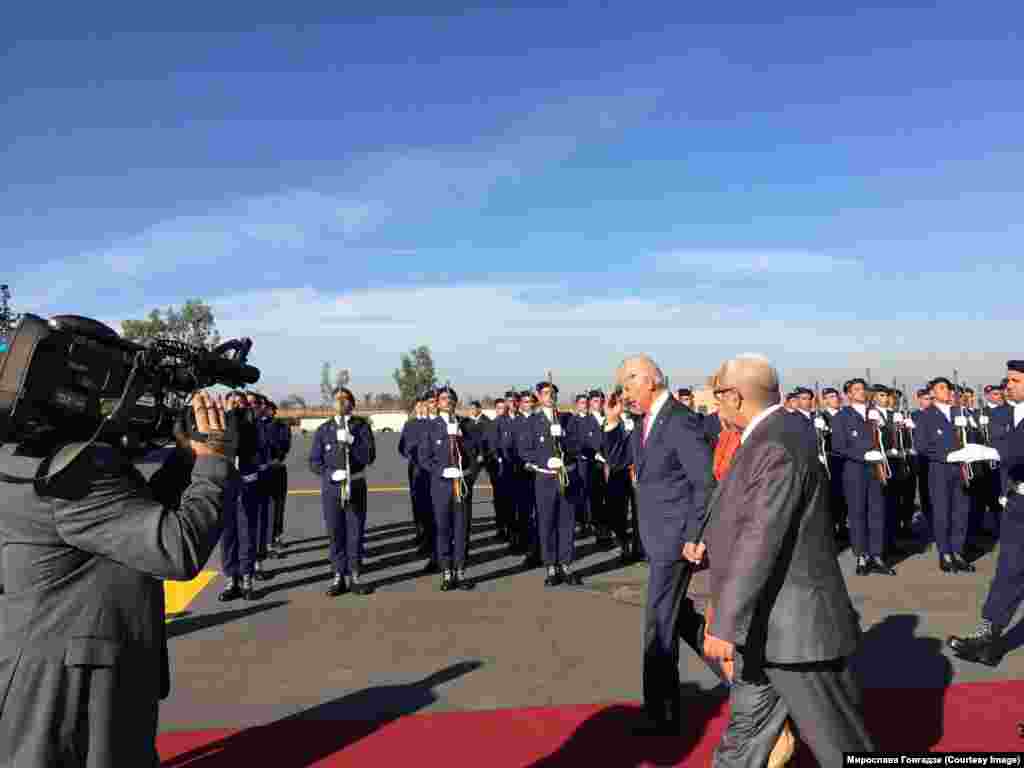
x: 209, y: 414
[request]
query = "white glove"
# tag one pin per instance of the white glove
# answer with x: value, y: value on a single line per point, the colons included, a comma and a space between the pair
x: 823, y: 460
x: 554, y: 463
x: 897, y: 418
x: 628, y: 424
x: 973, y: 452
x: 960, y: 421
x: 893, y: 452
x: 957, y: 457
x: 453, y: 428
x: 339, y: 475
x: 451, y: 473
x: 972, y: 422
x: 873, y: 456
x: 344, y: 436
x: 556, y: 430
x: 819, y: 422
x: 876, y: 417
x: 908, y: 422
x: 984, y: 420
x: 1002, y: 501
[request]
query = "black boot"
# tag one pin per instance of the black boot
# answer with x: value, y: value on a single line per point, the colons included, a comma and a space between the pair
x: 947, y: 564
x: 232, y: 591
x: 261, y: 574
x: 981, y: 646
x: 338, y: 586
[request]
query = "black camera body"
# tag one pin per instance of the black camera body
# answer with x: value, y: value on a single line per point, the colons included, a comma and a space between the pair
x: 72, y: 378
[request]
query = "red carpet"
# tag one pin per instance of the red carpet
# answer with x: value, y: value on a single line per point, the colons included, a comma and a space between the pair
x: 968, y: 716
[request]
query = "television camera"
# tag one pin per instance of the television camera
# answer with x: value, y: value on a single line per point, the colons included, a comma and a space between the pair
x: 73, y: 380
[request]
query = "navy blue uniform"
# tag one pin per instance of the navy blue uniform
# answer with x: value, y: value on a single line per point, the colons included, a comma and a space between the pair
x: 837, y: 496
x: 264, y: 521
x: 525, y: 498
x: 865, y: 504
x: 345, y: 527
x: 935, y: 436
x: 505, y: 492
x: 419, y: 484
x: 280, y: 445
x: 450, y: 515
x: 590, y: 432
x: 239, y: 540
x: 1007, y: 590
x: 556, y: 521
x: 922, y: 464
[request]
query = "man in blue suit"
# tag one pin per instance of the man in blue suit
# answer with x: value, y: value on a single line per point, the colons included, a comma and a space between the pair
x: 673, y: 481
x: 343, y: 447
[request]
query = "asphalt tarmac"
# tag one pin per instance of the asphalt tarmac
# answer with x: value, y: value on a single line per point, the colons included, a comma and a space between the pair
x: 511, y: 642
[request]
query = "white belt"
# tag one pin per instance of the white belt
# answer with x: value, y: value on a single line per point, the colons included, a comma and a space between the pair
x: 251, y: 478
x: 354, y: 475
x: 568, y: 468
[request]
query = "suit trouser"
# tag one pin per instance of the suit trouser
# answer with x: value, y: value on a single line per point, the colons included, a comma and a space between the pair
x: 615, y: 505
x: 423, y: 509
x: 556, y: 519
x: 264, y: 517
x: 345, y: 527
x: 471, y: 477
x: 505, y: 496
x: 526, y: 511
x: 1007, y: 590
x: 865, y: 508
x: 450, y: 518
x: 278, y: 497
x: 581, y: 504
x: 950, y: 507
x: 662, y: 630
x: 824, y: 700
x: 922, y: 487
x: 250, y: 498
x: 237, y: 537
x: 837, y: 495
x: 597, y: 492
x: 492, y: 475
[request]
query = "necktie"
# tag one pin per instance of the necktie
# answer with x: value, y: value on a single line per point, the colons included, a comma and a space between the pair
x: 643, y: 430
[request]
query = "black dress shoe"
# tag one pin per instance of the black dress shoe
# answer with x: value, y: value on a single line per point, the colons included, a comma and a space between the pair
x: 359, y: 587
x: 462, y: 582
x: 947, y: 564
x: 553, y: 579
x: 878, y: 565
x: 338, y: 586
x: 233, y: 591
x: 261, y: 574
x: 982, y: 646
x: 962, y: 565
x: 863, y: 569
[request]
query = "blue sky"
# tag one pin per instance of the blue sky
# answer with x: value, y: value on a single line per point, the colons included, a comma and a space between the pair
x: 528, y: 189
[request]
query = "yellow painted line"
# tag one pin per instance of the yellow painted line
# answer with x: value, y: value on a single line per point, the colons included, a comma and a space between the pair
x: 374, y: 489
x: 178, y: 594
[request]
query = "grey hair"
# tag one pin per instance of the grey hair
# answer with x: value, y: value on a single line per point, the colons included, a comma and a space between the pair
x: 766, y: 380
x: 658, y: 374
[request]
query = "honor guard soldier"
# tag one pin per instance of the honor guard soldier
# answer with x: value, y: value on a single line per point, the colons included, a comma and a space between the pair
x: 447, y: 451
x: 526, y: 513
x: 892, y: 491
x: 924, y: 401
x: 585, y: 425
x: 1001, y: 425
x: 280, y: 447
x: 862, y: 486
x: 508, y: 473
x: 238, y: 542
x: 477, y: 423
x: 488, y: 450
x: 264, y: 520
x: 549, y: 448
x: 598, y: 485
x: 343, y: 447
x: 830, y: 407
x: 941, y: 436
x: 1006, y: 592
x: 419, y: 481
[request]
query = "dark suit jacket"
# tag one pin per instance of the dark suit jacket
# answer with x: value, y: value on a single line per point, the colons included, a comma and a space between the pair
x: 673, y: 477
x: 775, y: 580
x: 82, y: 623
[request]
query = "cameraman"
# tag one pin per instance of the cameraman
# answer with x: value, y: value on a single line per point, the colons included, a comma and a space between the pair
x: 83, y: 646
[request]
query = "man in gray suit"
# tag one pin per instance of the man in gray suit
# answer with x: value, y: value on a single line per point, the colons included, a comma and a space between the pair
x: 83, y: 647
x: 782, y: 619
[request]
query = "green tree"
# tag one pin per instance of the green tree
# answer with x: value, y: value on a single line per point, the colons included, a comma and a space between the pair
x: 415, y: 375
x: 193, y: 324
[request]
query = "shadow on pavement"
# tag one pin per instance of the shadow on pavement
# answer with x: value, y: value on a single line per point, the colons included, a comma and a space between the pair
x: 906, y: 677
x: 189, y: 624
x: 352, y: 717
x: 606, y: 738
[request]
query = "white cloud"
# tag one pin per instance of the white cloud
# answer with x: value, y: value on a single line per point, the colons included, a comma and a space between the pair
x: 759, y: 262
